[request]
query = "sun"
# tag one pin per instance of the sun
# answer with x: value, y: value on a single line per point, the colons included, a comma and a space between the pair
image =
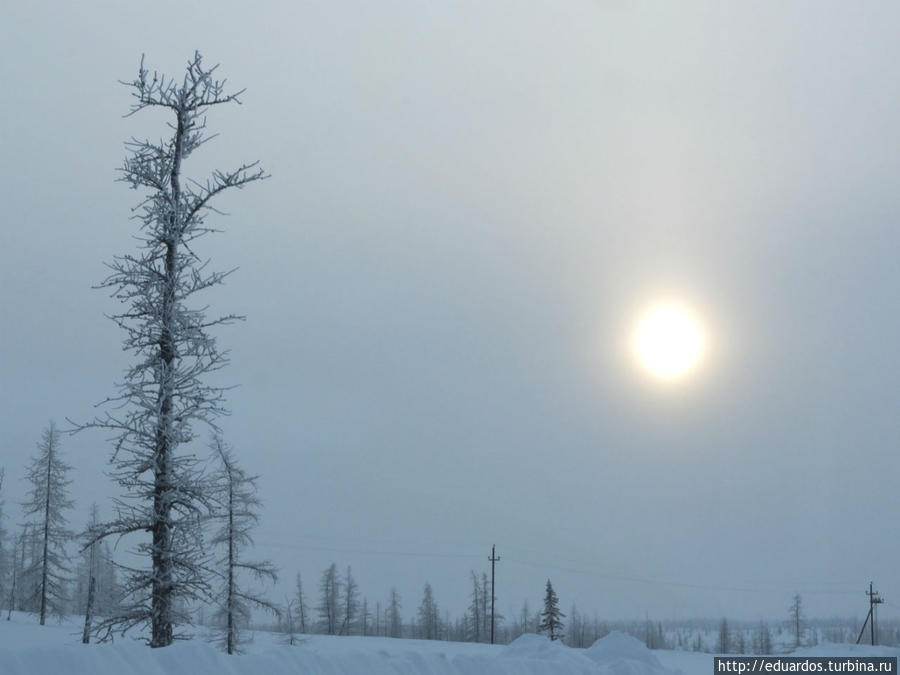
x: 668, y: 341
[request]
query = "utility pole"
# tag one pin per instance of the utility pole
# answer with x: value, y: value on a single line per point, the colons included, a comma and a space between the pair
x: 874, y: 599
x: 494, y: 558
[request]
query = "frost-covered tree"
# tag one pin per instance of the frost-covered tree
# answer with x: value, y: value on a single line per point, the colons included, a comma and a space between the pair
x: 86, y: 579
x: 106, y: 585
x: 485, y: 607
x: 762, y: 639
x: 365, y: 616
x: 429, y: 618
x: 237, y: 517
x: 17, y: 572
x: 329, y: 601
x: 393, y: 615
x: 475, y: 614
x: 349, y: 604
x: 30, y: 571
x: 301, y: 605
x: 46, y: 502
x: 723, y: 644
x: 4, y: 552
x: 551, y: 623
x: 167, y: 390
x: 577, y: 628
x: 289, y: 622
x: 795, y: 611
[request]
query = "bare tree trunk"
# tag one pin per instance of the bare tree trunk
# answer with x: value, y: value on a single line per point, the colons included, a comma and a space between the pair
x: 302, y: 610
x: 89, y: 613
x: 89, y: 610
x: 12, y: 589
x: 162, y: 542
x: 161, y: 622
x: 229, y: 646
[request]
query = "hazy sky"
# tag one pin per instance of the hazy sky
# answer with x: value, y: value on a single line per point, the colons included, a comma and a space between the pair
x: 469, y: 202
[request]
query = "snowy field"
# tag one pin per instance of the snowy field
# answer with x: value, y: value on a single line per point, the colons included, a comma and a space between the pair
x: 56, y: 649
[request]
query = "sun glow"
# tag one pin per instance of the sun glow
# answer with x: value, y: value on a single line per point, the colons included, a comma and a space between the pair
x: 668, y: 341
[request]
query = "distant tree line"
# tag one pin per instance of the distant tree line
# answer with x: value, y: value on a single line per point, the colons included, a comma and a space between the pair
x: 48, y: 569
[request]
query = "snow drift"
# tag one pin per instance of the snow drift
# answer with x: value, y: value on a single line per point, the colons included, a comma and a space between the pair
x: 55, y: 649
x: 623, y: 654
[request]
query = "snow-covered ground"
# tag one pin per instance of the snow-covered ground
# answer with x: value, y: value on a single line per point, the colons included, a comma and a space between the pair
x: 28, y: 649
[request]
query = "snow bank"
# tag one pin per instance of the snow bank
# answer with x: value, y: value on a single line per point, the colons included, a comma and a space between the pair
x: 531, y: 653
x: 532, y: 646
x: 56, y: 649
x: 29, y: 649
x: 622, y: 654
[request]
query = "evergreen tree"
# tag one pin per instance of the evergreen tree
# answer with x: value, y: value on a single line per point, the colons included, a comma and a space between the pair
x: 428, y: 616
x: 44, y: 507
x: 551, y: 623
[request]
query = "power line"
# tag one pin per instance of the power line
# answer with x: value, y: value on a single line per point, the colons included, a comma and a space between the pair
x: 682, y: 584
x: 360, y: 551
x: 573, y: 570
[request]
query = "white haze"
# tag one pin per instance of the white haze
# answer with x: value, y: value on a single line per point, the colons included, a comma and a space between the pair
x: 468, y: 202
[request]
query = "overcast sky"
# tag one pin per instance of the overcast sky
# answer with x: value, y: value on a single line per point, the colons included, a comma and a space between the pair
x: 469, y: 202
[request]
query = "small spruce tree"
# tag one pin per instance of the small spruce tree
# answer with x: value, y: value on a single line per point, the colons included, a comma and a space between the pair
x: 550, y: 616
